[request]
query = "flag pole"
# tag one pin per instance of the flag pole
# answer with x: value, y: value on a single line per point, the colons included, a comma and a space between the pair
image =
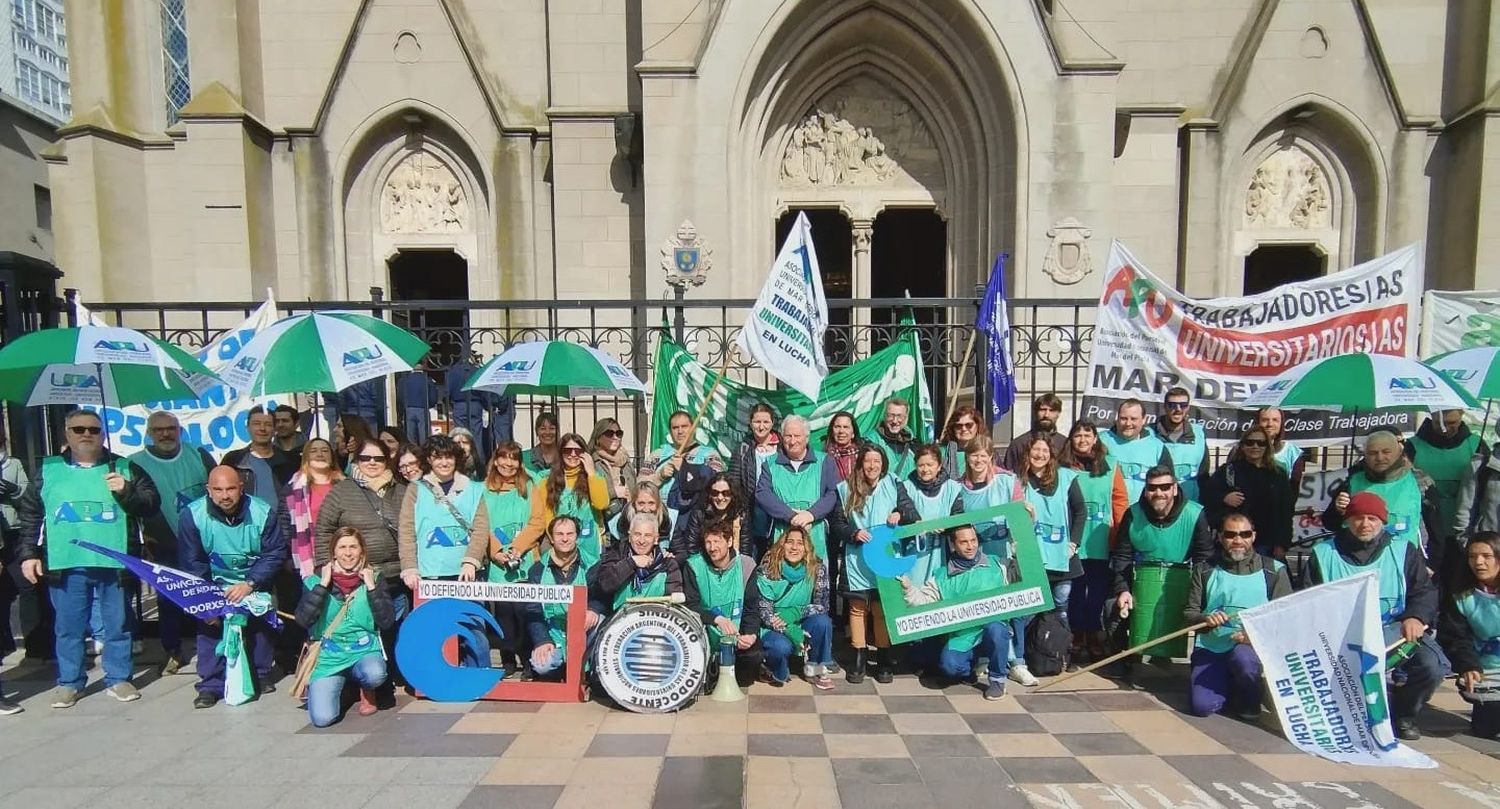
x: 958, y: 383
x: 1121, y: 655
x: 703, y: 408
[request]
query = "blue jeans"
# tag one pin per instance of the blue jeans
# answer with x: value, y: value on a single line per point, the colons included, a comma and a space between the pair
x: 325, y: 695
x: 994, y: 640
x: 1061, y: 592
x: 780, y: 650
x: 74, y: 594
x: 559, y: 658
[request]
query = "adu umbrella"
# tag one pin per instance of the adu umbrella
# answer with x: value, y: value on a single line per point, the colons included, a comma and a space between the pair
x: 98, y: 365
x: 555, y: 368
x: 323, y: 352
x: 1363, y: 382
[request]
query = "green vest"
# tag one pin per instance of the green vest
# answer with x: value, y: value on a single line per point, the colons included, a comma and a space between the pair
x: 1052, y: 528
x: 897, y: 465
x: 1167, y: 543
x: 442, y: 539
x: 1482, y: 611
x: 1390, y: 564
x: 789, y: 601
x: 721, y: 591
x: 556, y: 615
x: 508, y: 512
x: 535, y: 466
x: 354, y: 639
x: 877, y: 508
x: 699, y: 455
x: 232, y: 549
x: 1187, y: 459
x: 79, y: 505
x: 654, y: 587
x: 590, y: 534
x: 1133, y: 458
x: 1288, y: 457
x: 1446, y: 467
x: 929, y: 548
x: 1403, y: 502
x: 799, y: 490
x: 986, y: 575
x: 1229, y: 593
x: 1098, y: 497
x: 179, y: 480
x: 994, y: 534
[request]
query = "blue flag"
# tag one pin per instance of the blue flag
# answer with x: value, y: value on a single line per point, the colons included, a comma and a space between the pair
x: 197, y: 597
x: 994, y: 322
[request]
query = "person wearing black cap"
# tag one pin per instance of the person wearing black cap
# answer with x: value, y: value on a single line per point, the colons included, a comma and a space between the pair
x: 1408, y: 599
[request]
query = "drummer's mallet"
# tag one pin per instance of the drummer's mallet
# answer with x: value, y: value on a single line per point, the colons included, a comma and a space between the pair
x: 1120, y: 655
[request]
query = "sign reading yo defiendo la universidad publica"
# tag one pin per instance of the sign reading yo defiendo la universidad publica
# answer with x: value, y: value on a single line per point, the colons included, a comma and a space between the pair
x: 1031, y: 593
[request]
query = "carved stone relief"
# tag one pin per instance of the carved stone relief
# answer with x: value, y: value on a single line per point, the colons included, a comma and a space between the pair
x: 423, y: 195
x: 1289, y: 190
x: 859, y: 134
x: 1068, y: 259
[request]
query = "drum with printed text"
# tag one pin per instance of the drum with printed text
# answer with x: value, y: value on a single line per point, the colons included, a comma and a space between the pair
x: 652, y: 657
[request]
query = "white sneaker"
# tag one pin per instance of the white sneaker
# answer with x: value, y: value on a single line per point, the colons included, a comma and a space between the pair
x: 1022, y: 675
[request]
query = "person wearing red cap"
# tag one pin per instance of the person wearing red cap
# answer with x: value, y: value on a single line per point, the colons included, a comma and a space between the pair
x: 1408, y: 599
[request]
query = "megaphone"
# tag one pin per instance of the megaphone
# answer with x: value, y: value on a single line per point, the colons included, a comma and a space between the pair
x: 727, y: 689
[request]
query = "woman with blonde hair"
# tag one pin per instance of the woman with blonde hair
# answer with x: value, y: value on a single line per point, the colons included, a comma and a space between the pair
x: 792, y: 585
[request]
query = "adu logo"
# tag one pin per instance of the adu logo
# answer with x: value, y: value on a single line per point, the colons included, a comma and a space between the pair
x: 516, y: 366
x: 64, y: 380
x: 248, y: 364
x: 1460, y: 374
x: 122, y: 345
x: 1412, y: 383
x: 362, y: 355
x: 1280, y: 384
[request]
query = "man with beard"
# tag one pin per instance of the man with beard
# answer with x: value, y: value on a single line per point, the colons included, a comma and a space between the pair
x: 1226, y: 671
x: 1044, y: 413
x: 1408, y: 600
x: 892, y: 435
x: 1407, y: 492
x: 1448, y: 452
x: 714, y: 583
x: 1132, y: 449
x: 1185, y: 444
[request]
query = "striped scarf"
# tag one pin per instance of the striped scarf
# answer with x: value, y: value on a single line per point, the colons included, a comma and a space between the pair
x: 299, y: 506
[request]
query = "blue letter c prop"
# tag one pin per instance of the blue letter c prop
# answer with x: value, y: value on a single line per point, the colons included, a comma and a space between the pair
x: 880, y: 554
x: 419, y: 650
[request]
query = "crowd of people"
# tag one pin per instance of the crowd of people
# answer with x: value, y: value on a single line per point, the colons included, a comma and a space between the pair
x: 764, y: 545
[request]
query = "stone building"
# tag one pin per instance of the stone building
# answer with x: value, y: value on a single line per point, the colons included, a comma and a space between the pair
x: 544, y: 149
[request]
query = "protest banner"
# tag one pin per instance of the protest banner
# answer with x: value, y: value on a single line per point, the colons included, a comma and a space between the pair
x: 784, y: 331
x: 199, y: 598
x: 1323, y: 653
x: 890, y: 553
x: 1457, y: 320
x: 1150, y: 338
x: 1314, y: 495
x: 217, y: 420
x: 682, y: 383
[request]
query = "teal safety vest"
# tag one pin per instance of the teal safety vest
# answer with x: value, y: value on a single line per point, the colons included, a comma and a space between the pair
x: 232, y: 549
x: 899, y: 465
x: 1098, y: 497
x: 986, y: 575
x: 355, y: 638
x: 994, y: 534
x: 1446, y: 467
x: 590, y: 533
x: 1133, y: 458
x: 1390, y: 564
x: 1482, y: 611
x: 179, y: 480
x: 788, y: 600
x: 1403, y: 504
x: 1166, y: 543
x: 1187, y: 459
x: 508, y: 512
x: 1052, y: 528
x: 654, y: 587
x: 442, y: 538
x: 1229, y: 593
x: 930, y: 549
x: 876, y: 510
x: 556, y: 615
x: 799, y: 490
x: 721, y: 591
x: 79, y: 505
x: 1288, y: 456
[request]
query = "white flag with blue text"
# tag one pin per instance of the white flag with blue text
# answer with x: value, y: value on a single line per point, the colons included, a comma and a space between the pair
x: 784, y: 332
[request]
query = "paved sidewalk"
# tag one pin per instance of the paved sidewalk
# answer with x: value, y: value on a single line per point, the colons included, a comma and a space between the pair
x: 867, y: 746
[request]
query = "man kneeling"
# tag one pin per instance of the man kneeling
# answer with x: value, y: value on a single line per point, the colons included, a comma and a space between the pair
x: 968, y: 572
x: 715, y: 583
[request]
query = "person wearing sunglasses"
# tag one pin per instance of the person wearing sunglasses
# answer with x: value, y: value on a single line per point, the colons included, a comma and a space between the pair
x: 721, y: 503
x: 607, y: 445
x: 1253, y: 483
x: 1226, y: 671
x: 91, y: 494
x: 1133, y: 449
x: 573, y: 487
x: 1185, y: 443
x: 960, y: 437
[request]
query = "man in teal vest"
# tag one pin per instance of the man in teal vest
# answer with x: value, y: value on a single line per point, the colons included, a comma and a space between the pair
x: 1408, y: 599
x: 1132, y: 449
x: 1185, y: 442
x: 1163, y: 526
x: 714, y: 584
x: 235, y: 540
x: 81, y: 494
x: 968, y: 572
x: 894, y: 436
x: 1448, y: 452
x: 1408, y: 494
x: 799, y: 487
x: 1226, y: 671
x: 661, y: 467
x: 181, y: 476
x: 547, y: 624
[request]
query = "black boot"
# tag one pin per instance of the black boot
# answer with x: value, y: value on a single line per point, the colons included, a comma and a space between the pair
x: 886, y: 669
x: 856, y: 673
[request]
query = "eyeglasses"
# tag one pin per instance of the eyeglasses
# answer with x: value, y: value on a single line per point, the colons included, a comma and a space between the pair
x: 1159, y: 487
x: 1177, y: 405
x: 1239, y: 534
x: 719, y: 492
x: 81, y: 430
x: 1253, y: 442
x: 965, y: 425
x: 572, y: 451
x: 612, y: 434
x: 407, y: 465
x: 369, y: 458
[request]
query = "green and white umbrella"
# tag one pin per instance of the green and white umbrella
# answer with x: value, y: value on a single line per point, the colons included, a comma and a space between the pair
x: 1362, y: 382
x: 555, y: 368
x: 323, y: 352
x: 98, y: 365
x: 1476, y: 370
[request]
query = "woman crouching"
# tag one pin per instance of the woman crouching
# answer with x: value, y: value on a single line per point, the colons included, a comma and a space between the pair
x: 344, y: 610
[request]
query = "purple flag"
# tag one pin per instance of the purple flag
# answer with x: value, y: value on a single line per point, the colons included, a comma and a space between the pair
x: 197, y: 597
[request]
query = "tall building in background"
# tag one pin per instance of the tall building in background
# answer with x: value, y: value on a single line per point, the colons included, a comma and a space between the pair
x: 34, y: 58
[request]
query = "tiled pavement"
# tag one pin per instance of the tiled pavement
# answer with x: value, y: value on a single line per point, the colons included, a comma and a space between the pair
x: 867, y: 746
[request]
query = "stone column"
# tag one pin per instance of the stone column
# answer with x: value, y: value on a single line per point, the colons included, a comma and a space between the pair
x: 861, y: 231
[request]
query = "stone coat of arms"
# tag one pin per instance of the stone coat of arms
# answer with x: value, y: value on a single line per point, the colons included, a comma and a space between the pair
x: 685, y: 258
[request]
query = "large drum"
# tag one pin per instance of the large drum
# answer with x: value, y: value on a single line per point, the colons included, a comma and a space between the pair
x: 652, y: 658
x: 1160, y: 592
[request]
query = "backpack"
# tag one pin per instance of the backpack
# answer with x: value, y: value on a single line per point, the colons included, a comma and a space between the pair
x: 1048, y: 642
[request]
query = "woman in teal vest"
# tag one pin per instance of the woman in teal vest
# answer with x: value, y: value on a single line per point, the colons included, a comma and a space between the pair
x: 437, y: 516
x: 1060, y: 515
x: 792, y: 584
x: 870, y: 497
x: 1469, y: 631
x: 344, y: 609
x: 572, y: 487
x: 1105, y: 500
x: 540, y: 459
x: 986, y: 485
x: 1291, y: 457
x: 934, y: 495
x: 503, y: 509
x: 642, y: 569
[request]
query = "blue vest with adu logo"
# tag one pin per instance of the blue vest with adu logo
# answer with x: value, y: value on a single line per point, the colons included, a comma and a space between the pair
x: 1187, y: 459
x: 1133, y: 458
x: 1390, y: 564
x: 232, y: 549
x: 441, y: 538
x: 1052, y: 529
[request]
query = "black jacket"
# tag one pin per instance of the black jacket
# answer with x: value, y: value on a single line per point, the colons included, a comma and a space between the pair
x: 1421, y: 593
x: 314, y: 605
x: 1122, y: 558
x: 1269, y: 500
x: 283, y: 465
x: 536, y: 624
x: 139, y: 499
x: 616, y: 571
